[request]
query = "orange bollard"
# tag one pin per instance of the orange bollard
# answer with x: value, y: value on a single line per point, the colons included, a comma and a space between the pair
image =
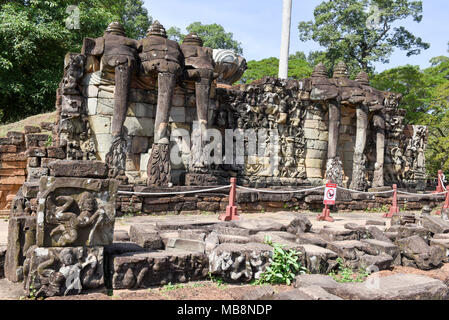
x: 231, y: 209
x: 330, y: 194
x: 326, y: 215
x: 445, y: 206
x: 394, y: 207
x: 439, y: 188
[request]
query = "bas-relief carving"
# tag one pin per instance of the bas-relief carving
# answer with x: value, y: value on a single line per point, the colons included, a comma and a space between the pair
x: 75, y: 212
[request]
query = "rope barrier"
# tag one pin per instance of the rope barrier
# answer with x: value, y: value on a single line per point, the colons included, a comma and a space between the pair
x: 373, y: 193
x: 422, y: 194
x: 280, y: 191
x: 173, y: 192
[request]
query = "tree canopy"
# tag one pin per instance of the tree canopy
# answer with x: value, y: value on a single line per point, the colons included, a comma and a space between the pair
x: 361, y: 32
x: 34, y: 39
x: 298, y: 68
x: 214, y: 36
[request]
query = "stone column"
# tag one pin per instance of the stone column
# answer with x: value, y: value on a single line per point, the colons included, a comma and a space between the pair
x: 159, y: 164
x: 116, y: 157
x: 358, y: 171
x: 285, y: 40
x: 334, y: 167
x: 379, y: 125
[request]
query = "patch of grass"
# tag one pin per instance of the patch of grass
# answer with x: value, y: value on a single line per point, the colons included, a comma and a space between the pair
x: 284, y: 265
x: 30, y: 121
x: 217, y: 280
x: 345, y: 274
x: 171, y: 287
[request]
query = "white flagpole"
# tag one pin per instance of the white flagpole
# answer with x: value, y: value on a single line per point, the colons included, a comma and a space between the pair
x: 285, y: 38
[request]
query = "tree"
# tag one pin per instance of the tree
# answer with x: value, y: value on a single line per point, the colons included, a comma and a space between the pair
x: 426, y: 99
x: 34, y: 40
x: 214, y: 36
x: 361, y: 32
x: 298, y: 68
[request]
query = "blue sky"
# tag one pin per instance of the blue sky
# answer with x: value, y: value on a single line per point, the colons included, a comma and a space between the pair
x: 257, y: 25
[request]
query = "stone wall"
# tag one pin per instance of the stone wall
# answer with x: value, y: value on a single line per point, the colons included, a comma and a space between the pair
x: 13, y: 162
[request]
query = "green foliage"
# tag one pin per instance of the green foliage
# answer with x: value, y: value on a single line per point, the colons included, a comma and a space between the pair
x: 171, y: 287
x: 426, y: 100
x: 34, y: 40
x: 214, y: 36
x: 217, y: 280
x: 345, y: 274
x: 284, y: 266
x: 341, y: 27
x: 298, y: 68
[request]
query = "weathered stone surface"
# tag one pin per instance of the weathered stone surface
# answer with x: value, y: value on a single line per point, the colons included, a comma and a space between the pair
x: 306, y: 280
x: 257, y: 225
x: 121, y: 235
x: 75, y: 211
x: 223, y: 238
x: 329, y: 234
x: 312, y: 238
x: 185, y: 245
x: 142, y: 270
x: 198, y: 235
x: 299, y: 224
x: 348, y: 249
x: 317, y: 259
x: 63, y: 271
x: 145, y: 236
x: 394, y: 287
x: 411, y: 230
x: 444, y: 245
x: 377, y: 247
x: 233, y: 231
x: 294, y: 294
x: 425, y: 257
x: 318, y: 293
x: 375, y: 223
x: 435, y: 224
x: 382, y: 261
x: 239, y: 262
x: 265, y: 292
x: 2, y: 261
x: 21, y: 237
x: 78, y: 168
x: 377, y: 234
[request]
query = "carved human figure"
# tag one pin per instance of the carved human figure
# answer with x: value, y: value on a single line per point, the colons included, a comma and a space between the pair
x: 161, y: 58
x: 69, y: 223
x: 199, y: 67
x: 118, y: 56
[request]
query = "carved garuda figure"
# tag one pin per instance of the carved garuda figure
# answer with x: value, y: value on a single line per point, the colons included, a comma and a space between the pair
x: 118, y: 55
x: 199, y: 67
x: 163, y: 59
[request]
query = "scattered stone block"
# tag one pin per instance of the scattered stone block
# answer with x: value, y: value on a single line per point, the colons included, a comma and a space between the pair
x: 435, y: 224
x: 75, y: 211
x: 329, y: 234
x: 300, y: 224
x: 142, y: 270
x: 265, y: 292
x: 424, y: 256
x: 394, y: 287
x: 444, y: 245
x: 145, y: 236
x: 312, y: 238
x: 294, y: 294
x: 348, y: 249
x: 378, y: 234
x: 258, y: 225
x: 239, y: 262
x: 411, y: 230
x: 306, y: 280
x: 198, y: 235
x: 2, y: 261
x: 185, y: 245
x: 79, y: 168
x: 382, y: 261
x: 317, y: 259
x: 377, y: 247
x: 317, y: 293
x: 63, y: 271
x: 375, y: 223
x: 223, y: 238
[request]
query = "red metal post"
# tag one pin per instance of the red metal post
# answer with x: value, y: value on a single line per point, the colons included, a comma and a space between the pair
x: 394, y: 207
x: 445, y: 206
x: 440, y: 185
x: 231, y: 209
x: 326, y: 215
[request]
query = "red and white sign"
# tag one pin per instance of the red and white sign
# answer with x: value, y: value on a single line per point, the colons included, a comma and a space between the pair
x: 330, y: 194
